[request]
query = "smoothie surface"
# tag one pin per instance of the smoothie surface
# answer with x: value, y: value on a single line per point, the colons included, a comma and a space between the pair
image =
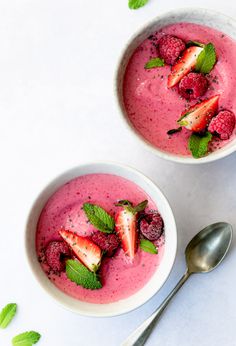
x: 153, y: 109
x: 120, y: 278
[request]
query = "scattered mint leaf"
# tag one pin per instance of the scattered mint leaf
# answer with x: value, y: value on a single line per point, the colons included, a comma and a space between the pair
x: 26, y: 339
x: 79, y: 274
x: 155, y: 62
x: 7, y: 314
x: 99, y: 217
x: 206, y: 59
x: 194, y: 43
x: 171, y: 132
x: 198, y: 145
x: 148, y: 246
x: 135, y: 4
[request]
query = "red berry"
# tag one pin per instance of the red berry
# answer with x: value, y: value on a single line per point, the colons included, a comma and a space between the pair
x: 170, y: 48
x: 198, y: 117
x: 151, y: 225
x: 193, y: 86
x: 85, y: 250
x: 184, y: 65
x: 126, y: 226
x: 55, y: 253
x: 108, y: 243
x: 223, y: 124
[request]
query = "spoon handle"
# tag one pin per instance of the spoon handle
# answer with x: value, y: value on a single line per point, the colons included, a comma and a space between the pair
x: 141, y: 334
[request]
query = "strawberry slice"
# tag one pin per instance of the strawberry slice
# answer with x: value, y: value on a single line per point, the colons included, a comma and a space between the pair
x: 86, y: 251
x: 126, y: 229
x: 197, y: 117
x: 184, y: 65
x: 126, y: 226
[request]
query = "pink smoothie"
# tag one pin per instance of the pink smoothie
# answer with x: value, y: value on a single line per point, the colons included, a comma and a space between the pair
x: 153, y: 109
x: 120, y: 278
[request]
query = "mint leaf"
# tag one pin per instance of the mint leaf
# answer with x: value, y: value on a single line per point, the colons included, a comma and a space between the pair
x: 148, y: 246
x: 99, y: 217
x: 155, y: 62
x: 206, y: 59
x: 7, y: 314
x: 135, y: 4
x: 171, y: 132
x: 198, y: 145
x: 79, y: 274
x: 26, y: 339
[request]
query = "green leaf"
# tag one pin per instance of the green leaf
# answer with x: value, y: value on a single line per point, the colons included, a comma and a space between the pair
x: 26, y: 339
x: 198, y: 144
x: 155, y: 62
x: 7, y: 314
x: 171, y: 132
x: 206, y: 59
x: 148, y: 246
x: 135, y: 4
x: 79, y: 274
x: 99, y: 217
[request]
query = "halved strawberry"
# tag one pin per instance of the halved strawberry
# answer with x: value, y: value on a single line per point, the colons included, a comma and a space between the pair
x: 184, y: 65
x: 126, y: 229
x: 126, y: 226
x: 86, y: 251
x: 197, y: 117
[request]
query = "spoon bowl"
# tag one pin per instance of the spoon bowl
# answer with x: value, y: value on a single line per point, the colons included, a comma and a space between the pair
x: 208, y: 248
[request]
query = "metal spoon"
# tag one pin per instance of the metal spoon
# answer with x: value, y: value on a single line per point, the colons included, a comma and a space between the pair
x: 203, y: 254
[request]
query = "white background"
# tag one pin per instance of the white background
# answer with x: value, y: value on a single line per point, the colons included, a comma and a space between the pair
x: 57, y: 110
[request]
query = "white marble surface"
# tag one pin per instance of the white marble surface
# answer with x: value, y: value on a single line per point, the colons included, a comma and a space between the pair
x: 57, y: 60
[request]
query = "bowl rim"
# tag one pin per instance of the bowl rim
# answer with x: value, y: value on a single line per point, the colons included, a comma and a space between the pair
x: 36, y: 273
x: 219, y: 154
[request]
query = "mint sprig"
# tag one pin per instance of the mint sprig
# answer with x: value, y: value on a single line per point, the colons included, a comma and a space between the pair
x: 79, y: 274
x: 155, y: 62
x: 206, y: 59
x: 26, y: 339
x: 99, y: 218
x: 198, y: 144
x: 135, y: 4
x: 7, y: 314
x: 148, y: 246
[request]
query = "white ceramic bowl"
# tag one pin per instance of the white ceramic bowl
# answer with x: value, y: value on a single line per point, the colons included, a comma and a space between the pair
x: 192, y: 15
x: 157, y: 279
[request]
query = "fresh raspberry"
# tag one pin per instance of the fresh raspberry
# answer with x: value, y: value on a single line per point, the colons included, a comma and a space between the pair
x: 108, y: 243
x: 151, y: 225
x: 193, y: 85
x: 170, y: 48
x: 223, y: 124
x: 55, y: 253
